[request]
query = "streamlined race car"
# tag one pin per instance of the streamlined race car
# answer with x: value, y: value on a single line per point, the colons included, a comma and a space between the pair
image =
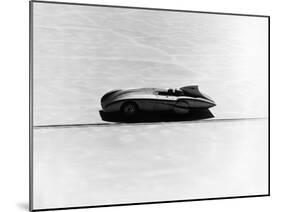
x: 132, y: 101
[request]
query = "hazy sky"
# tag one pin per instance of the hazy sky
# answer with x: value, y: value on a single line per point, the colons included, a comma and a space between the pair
x: 82, y: 52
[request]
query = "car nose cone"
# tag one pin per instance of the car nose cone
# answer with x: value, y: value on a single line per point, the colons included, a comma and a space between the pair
x: 209, y: 104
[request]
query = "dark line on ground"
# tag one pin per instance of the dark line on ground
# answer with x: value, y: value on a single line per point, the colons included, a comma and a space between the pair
x: 107, y: 124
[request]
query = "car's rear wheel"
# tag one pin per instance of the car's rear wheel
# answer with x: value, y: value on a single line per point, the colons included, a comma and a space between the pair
x: 181, y: 107
x: 129, y: 109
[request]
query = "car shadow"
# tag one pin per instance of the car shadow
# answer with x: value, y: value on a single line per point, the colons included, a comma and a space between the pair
x: 193, y: 115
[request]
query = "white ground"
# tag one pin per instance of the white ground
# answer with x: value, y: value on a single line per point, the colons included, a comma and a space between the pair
x: 80, y: 53
x: 149, y: 162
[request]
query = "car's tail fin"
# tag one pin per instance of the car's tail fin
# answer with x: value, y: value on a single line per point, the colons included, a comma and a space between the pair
x: 192, y: 90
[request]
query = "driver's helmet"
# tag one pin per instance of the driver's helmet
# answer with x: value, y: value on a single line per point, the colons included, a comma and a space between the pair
x: 170, y: 91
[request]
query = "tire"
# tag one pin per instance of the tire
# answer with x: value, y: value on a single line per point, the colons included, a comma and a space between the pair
x: 129, y: 109
x: 181, y: 107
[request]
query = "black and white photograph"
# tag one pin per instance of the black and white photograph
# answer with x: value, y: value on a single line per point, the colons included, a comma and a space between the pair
x: 140, y: 105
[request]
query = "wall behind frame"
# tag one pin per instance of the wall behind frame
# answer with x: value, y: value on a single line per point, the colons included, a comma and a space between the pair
x: 14, y: 107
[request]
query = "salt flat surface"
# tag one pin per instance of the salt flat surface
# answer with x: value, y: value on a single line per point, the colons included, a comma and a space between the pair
x: 149, y: 162
x: 80, y: 53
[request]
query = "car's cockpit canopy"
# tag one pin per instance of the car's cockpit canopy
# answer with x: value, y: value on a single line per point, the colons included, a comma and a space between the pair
x: 171, y: 92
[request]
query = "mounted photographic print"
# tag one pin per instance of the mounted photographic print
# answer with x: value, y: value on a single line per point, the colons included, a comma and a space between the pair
x: 139, y: 105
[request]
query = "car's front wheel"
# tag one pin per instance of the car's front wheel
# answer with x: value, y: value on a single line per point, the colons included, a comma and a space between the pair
x: 129, y: 109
